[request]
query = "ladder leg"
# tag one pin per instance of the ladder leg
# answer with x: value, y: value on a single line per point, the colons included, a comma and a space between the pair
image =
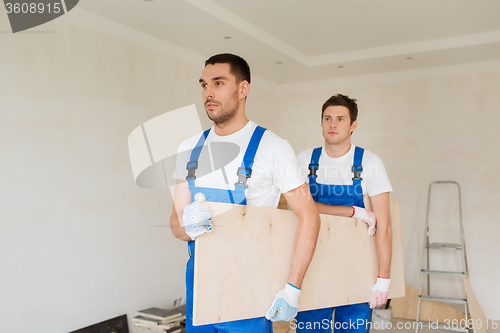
x: 427, y: 239
x: 418, y: 315
x: 466, y: 305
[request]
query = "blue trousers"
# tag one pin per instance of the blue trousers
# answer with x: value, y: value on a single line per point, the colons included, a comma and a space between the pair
x: 353, y: 318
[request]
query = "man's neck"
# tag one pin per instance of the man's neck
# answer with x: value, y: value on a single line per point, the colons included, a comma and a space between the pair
x: 337, y: 150
x: 231, y: 126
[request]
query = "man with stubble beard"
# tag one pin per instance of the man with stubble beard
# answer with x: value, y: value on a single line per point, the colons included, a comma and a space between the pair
x: 264, y: 168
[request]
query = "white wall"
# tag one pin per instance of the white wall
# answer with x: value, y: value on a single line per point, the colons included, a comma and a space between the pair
x: 426, y: 125
x: 79, y: 241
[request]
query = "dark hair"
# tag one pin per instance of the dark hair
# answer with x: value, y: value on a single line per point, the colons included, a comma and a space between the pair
x: 342, y: 100
x: 238, y: 66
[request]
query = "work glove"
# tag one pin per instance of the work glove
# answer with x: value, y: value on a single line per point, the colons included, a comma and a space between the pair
x: 197, y: 217
x: 379, y: 292
x: 367, y: 216
x: 285, y: 304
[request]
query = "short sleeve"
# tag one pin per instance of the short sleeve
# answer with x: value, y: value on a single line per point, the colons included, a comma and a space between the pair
x: 303, y: 160
x: 286, y: 175
x: 377, y: 179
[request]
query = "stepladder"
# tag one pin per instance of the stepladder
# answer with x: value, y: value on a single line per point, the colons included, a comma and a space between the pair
x: 444, y: 260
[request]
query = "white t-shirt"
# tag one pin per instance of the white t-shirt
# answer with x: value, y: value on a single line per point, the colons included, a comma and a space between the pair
x: 274, y: 171
x: 337, y: 171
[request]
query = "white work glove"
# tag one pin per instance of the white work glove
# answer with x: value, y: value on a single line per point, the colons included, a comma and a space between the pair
x: 379, y: 292
x: 197, y: 217
x: 368, y: 217
x: 285, y: 304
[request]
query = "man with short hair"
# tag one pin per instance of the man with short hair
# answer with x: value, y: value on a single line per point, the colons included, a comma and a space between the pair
x: 339, y: 174
x: 264, y: 168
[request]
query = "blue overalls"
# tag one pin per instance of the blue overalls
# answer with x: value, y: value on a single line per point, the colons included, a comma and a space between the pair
x: 320, y: 320
x: 227, y: 196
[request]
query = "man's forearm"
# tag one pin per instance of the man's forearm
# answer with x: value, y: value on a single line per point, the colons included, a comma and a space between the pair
x: 345, y: 211
x: 176, y: 228
x: 302, y: 204
x: 182, y: 197
x: 383, y: 239
x: 307, y: 236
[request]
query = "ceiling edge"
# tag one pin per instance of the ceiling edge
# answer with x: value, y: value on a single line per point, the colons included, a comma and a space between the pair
x: 239, y: 23
x: 246, y: 27
x: 89, y: 21
x: 407, y: 48
x: 483, y: 67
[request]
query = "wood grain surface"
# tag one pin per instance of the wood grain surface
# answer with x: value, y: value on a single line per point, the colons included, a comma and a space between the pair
x: 241, y: 265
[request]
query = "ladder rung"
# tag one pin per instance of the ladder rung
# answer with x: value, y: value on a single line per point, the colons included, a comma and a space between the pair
x: 426, y: 324
x: 423, y: 271
x: 445, y: 246
x: 443, y: 299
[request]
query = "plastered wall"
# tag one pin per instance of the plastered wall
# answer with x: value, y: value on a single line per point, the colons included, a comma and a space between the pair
x: 79, y: 241
x: 432, y: 124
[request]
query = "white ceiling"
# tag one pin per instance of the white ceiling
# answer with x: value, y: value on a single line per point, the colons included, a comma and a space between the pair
x: 320, y: 39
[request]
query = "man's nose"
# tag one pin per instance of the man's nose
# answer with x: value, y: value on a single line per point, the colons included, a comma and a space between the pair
x: 208, y: 93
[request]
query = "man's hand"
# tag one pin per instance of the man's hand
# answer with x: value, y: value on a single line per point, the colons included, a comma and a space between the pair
x: 197, y: 217
x: 368, y: 217
x: 285, y: 304
x: 379, y: 292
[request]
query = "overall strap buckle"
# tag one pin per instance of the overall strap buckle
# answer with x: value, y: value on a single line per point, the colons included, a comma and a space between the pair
x: 243, y: 175
x: 313, y: 167
x: 191, y: 168
x: 357, y: 170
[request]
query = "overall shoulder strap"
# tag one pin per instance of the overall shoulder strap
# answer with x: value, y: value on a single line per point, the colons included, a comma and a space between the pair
x: 357, y: 169
x: 192, y: 165
x: 245, y: 171
x: 314, y: 164
x: 357, y: 164
x: 313, y: 167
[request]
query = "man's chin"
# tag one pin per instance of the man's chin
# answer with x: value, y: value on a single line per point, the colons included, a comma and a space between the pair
x: 215, y: 118
x: 211, y: 115
x: 220, y: 119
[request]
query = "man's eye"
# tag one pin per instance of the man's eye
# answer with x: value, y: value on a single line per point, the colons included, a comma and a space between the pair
x: 218, y: 83
x: 203, y: 85
x: 341, y: 119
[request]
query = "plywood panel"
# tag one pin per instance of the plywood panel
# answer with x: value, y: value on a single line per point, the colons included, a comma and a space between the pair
x: 476, y: 312
x: 282, y: 327
x: 248, y: 257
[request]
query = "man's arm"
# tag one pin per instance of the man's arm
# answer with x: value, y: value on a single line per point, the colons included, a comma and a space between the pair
x: 333, y: 209
x: 302, y: 204
x: 383, y: 237
x: 286, y: 302
x: 182, y: 198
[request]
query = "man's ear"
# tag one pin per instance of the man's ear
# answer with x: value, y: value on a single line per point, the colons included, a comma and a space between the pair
x: 244, y: 88
x: 354, y: 125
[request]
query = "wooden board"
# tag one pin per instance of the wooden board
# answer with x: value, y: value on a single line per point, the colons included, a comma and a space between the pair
x: 282, y: 327
x: 248, y: 257
x: 406, y: 308
x: 476, y: 312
